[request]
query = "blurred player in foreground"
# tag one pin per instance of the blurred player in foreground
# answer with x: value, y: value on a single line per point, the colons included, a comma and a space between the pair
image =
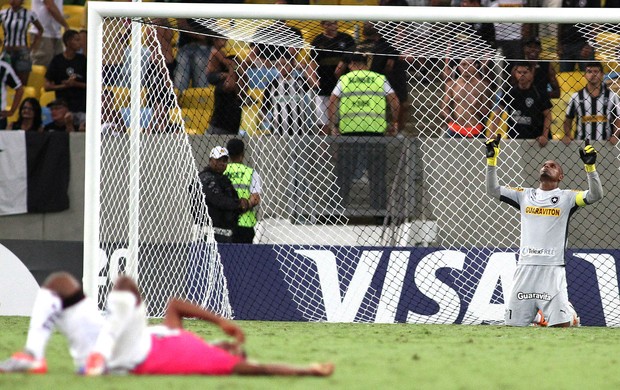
x: 122, y: 343
x: 126, y: 344
x: 540, y: 278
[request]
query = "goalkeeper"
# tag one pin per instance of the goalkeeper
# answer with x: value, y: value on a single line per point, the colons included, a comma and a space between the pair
x: 540, y: 278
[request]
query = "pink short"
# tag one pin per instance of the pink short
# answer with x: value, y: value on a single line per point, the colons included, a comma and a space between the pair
x: 186, y: 354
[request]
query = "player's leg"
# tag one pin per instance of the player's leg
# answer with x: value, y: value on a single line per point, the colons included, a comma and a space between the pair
x: 520, y: 309
x: 48, y: 305
x: 250, y: 368
x: 558, y: 310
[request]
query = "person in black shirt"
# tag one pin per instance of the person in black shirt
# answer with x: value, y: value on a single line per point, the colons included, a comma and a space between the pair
x: 572, y: 41
x: 222, y: 72
x: 386, y: 61
x: 223, y: 203
x: 62, y: 118
x: 329, y: 51
x: 66, y: 75
x: 529, y: 110
x: 544, y: 73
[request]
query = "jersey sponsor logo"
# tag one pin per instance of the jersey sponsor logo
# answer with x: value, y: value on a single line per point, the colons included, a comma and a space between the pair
x: 520, y: 189
x: 542, y: 211
x: 529, y: 102
x: 522, y: 296
x: 537, y: 252
x: 593, y: 119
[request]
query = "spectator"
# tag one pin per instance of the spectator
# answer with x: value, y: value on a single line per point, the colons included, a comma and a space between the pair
x: 467, y: 101
x: 66, y: 75
x: 248, y: 184
x: 387, y: 61
x: 287, y: 98
x: 573, y: 47
x: 8, y: 78
x: 30, y: 117
x: 595, y: 108
x: 52, y: 19
x: 111, y: 118
x: 529, y: 110
x: 329, y: 57
x: 222, y: 72
x: 14, y: 21
x: 192, y: 56
x: 62, y: 118
x: 224, y: 205
x: 361, y: 97
x: 486, y: 31
x: 509, y: 37
x: 544, y: 74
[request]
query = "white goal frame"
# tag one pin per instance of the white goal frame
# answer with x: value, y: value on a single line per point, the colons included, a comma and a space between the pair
x: 98, y: 10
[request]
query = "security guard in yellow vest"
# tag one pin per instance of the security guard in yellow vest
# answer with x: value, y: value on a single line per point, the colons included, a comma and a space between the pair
x: 361, y: 99
x: 247, y: 183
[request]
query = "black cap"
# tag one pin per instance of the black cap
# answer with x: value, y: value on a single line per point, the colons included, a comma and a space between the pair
x: 58, y: 102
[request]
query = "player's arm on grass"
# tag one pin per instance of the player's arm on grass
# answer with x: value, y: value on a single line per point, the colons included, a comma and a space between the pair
x: 250, y: 368
x: 595, y: 188
x: 178, y: 309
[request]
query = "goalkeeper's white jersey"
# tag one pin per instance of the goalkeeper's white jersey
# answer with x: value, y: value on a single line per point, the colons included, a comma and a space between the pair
x: 544, y: 222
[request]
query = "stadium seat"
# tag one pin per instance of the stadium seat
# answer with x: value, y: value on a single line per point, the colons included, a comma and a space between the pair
x: 198, y: 98
x: 36, y: 78
x: 571, y: 81
x: 28, y: 92
x: 46, y: 97
x: 558, y: 113
x: 196, y: 120
x: 75, y: 16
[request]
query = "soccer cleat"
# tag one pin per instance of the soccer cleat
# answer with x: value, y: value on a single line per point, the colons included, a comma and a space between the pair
x: 540, y: 319
x: 24, y: 362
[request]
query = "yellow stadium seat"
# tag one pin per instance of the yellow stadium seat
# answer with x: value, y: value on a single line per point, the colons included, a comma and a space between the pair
x: 36, y: 78
x: 46, y: 97
x: 558, y: 113
x: 198, y: 98
x: 196, y: 120
x: 503, y: 124
x: 28, y: 92
x: 571, y: 81
x: 75, y: 16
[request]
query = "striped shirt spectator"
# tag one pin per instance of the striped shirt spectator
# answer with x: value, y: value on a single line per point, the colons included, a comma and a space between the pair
x: 8, y: 78
x: 595, y: 108
x: 15, y: 22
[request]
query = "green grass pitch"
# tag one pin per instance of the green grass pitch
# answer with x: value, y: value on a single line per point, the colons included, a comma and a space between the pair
x: 372, y: 356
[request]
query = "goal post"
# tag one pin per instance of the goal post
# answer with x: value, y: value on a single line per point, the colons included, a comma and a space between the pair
x: 350, y: 228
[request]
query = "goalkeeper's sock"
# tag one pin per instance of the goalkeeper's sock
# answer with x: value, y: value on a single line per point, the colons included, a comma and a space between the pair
x: 47, y: 307
x: 590, y: 168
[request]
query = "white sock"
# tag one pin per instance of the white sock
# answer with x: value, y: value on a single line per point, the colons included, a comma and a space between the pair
x: 47, y: 307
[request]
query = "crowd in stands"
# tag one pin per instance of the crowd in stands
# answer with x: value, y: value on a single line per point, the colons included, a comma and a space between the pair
x: 40, y: 37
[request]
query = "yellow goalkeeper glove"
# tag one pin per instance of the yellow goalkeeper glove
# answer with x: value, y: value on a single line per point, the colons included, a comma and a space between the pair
x: 492, y: 145
x: 588, y: 156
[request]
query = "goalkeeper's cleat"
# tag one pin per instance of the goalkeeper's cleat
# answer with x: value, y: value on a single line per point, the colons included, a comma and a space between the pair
x: 24, y: 362
x: 95, y: 365
x: 540, y: 319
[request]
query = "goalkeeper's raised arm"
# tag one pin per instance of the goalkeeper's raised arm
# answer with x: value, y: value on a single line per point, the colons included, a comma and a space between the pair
x: 595, y: 188
x: 492, y: 151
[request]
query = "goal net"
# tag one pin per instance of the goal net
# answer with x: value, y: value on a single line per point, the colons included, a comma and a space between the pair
x: 384, y: 222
